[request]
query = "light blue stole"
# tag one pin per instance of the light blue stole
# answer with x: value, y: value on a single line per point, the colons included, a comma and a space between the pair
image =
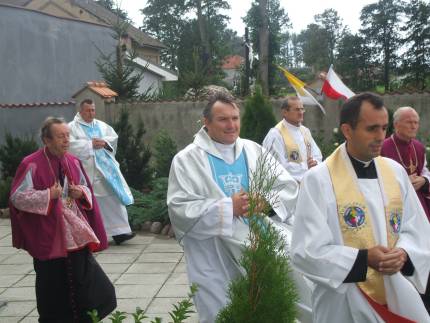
x: 231, y: 178
x: 107, y: 165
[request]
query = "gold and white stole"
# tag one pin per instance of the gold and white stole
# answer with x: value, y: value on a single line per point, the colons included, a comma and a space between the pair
x: 292, y: 147
x: 354, y: 214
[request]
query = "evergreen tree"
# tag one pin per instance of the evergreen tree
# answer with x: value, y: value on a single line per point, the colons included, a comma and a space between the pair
x: 132, y: 154
x: 12, y: 153
x: 166, y: 21
x: 417, y: 56
x: 380, y: 23
x: 315, y: 47
x: 118, y: 69
x: 278, y: 24
x: 164, y: 150
x: 266, y: 292
x: 354, y: 63
x: 258, y: 117
x: 330, y: 21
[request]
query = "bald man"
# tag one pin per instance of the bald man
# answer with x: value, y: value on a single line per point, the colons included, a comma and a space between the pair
x: 410, y: 153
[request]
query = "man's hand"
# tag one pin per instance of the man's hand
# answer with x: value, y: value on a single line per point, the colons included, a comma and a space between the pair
x: 240, y: 203
x: 417, y: 181
x: 75, y: 192
x: 386, y: 261
x: 312, y: 162
x: 98, y: 143
x: 55, y: 191
x: 394, y: 261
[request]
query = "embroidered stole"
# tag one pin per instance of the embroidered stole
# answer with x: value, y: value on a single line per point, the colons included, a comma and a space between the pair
x: 292, y: 147
x: 354, y: 215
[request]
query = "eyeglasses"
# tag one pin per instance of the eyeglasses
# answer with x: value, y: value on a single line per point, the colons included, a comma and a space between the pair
x: 299, y: 110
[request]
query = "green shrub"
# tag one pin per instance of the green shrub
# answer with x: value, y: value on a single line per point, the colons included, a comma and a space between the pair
x: 132, y: 154
x: 258, y: 117
x: 266, y: 292
x: 149, y: 206
x: 11, y: 154
x: 5, y: 191
x: 164, y: 150
x: 13, y: 151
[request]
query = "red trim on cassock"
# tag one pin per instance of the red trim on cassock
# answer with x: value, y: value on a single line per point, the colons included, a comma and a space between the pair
x: 385, y: 313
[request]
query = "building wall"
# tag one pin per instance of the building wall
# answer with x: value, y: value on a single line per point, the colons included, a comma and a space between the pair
x: 44, y: 58
x: 26, y: 122
x: 182, y: 119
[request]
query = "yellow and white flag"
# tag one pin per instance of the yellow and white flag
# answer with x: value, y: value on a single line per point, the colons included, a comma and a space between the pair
x: 299, y: 87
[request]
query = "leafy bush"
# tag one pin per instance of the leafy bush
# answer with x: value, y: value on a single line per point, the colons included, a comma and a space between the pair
x: 150, y: 206
x: 258, y: 117
x: 132, y: 153
x: 164, y: 150
x: 11, y: 154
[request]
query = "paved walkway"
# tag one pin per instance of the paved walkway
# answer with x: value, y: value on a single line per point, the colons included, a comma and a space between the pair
x: 148, y: 271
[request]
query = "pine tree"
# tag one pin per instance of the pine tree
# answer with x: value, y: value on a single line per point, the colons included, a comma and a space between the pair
x: 266, y: 293
x: 132, y: 154
x: 118, y: 69
x: 164, y: 150
x: 417, y: 56
x: 258, y: 117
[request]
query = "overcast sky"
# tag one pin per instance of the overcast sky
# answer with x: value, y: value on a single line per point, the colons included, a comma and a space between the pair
x: 301, y: 12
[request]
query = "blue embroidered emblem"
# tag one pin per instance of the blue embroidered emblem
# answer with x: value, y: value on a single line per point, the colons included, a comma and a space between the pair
x: 395, y: 221
x: 294, y: 155
x: 354, y: 216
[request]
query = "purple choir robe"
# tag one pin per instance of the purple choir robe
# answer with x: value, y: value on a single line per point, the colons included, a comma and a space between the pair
x: 43, y: 237
x: 407, y: 153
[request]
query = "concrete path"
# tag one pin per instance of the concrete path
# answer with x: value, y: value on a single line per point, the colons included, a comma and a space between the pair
x: 147, y: 271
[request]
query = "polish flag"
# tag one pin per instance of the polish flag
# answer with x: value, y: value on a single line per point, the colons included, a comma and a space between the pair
x: 334, y: 88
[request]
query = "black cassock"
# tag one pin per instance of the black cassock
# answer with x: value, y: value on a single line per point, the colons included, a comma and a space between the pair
x: 67, y: 288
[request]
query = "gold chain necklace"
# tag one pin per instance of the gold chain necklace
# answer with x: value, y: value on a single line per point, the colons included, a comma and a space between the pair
x: 412, y: 166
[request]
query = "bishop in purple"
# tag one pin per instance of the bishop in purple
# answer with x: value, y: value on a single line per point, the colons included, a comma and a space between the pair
x: 409, y: 152
x: 403, y: 147
x: 56, y: 219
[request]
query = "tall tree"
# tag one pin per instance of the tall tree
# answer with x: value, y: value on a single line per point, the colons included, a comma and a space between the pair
x: 278, y: 24
x: 118, y: 69
x: 314, y: 46
x: 330, y: 21
x: 380, y: 24
x: 165, y: 20
x: 354, y: 63
x: 417, y: 56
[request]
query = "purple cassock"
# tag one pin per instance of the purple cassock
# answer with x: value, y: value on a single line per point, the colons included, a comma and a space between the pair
x: 44, y: 237
x: 411, y: 155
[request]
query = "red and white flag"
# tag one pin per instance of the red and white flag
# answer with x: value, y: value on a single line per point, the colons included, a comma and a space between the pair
x: 334, y: 88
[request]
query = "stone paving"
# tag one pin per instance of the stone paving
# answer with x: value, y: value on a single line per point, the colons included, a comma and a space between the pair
x: 147, y: 271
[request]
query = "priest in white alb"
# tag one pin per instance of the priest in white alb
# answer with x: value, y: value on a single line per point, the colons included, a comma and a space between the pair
x: 291, y: 142
x: 94, y: 142
x: 207, y: 200
x: 360, y: 233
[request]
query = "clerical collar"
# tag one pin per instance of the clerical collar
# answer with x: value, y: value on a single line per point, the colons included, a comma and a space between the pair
x: 227, y: 151
x: 293, y: 126
x: 364, y: 169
